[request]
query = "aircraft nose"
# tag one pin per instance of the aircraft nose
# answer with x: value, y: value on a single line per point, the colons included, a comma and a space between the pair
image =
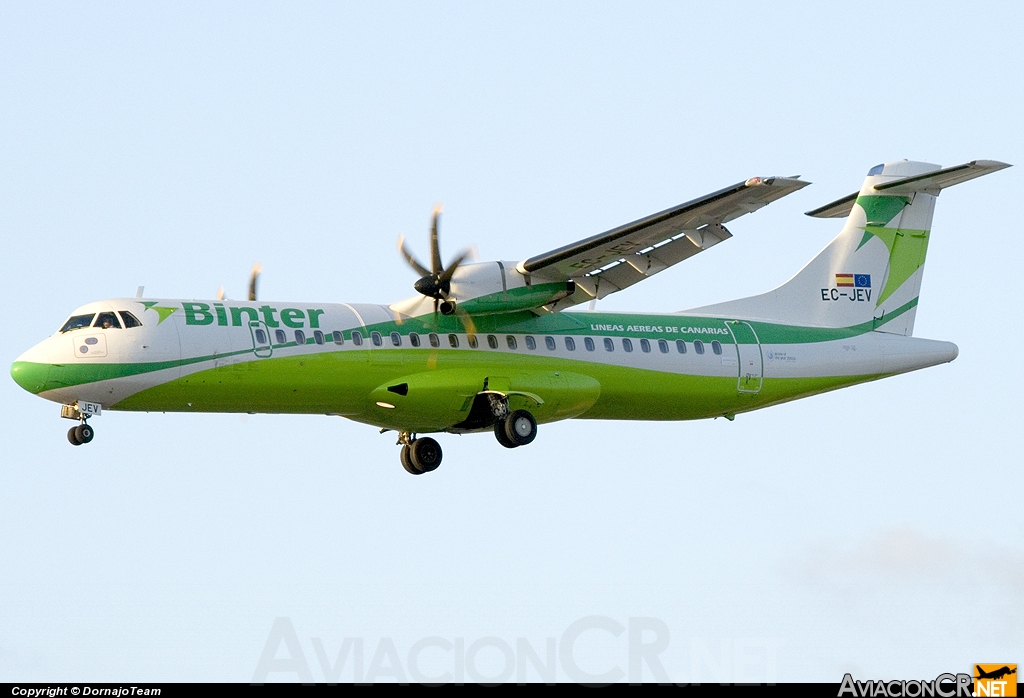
x: 32, y: 369
x: 30, y: 376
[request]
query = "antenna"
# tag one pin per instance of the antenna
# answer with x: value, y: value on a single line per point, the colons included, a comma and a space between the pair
x: 139, y: 291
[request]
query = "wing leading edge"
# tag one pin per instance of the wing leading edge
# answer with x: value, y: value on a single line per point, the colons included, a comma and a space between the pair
x: 614, y: 260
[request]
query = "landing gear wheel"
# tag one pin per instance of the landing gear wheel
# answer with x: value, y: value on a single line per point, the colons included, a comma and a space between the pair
x: 407, y: 461
x: 520, y: 427
x: 499, y: 434
x: 425, y: 454
x: 84, y: 433
x: 73, y: 436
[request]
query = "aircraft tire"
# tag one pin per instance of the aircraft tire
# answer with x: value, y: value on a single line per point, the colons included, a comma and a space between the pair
x: 407, y: 461
x: 84, y: 433
x: 499, y: 434
x: 425, y: 454
x: 73, y: 436
x: 520, y: 427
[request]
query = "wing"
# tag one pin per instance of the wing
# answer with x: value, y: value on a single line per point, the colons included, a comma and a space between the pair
x: 621, y: 257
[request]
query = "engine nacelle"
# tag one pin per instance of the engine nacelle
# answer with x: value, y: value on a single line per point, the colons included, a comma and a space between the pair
x: 496, y: 287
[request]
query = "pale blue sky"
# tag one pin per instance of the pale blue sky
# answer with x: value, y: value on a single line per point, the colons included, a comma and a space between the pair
x: 874, y: 530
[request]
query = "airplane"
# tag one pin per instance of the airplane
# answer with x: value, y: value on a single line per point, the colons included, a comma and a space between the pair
x: 995, y: 674
x: 493, y: 346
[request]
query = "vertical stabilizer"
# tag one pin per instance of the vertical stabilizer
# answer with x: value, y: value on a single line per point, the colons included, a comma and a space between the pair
x: 871, y: 272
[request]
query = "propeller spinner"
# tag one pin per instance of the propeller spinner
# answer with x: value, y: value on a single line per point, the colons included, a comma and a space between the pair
x: 435, y: 282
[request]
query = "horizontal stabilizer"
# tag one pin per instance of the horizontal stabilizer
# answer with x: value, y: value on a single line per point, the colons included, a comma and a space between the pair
x: 836, y: 209
x: 930, y: 183
x: 933, y: 182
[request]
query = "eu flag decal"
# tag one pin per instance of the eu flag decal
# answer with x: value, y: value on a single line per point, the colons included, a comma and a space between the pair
x: 853, y: 280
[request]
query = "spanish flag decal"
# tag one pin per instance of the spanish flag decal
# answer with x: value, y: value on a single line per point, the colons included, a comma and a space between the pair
x: 853, y: 280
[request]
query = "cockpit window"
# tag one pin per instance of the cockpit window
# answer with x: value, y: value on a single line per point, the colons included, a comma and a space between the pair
x: 77, y: 322
x: 129, y: 319
x: 107, y: 321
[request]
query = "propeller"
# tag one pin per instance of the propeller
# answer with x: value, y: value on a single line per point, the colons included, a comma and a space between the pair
x: 254, y: 275
x: 435, y: 282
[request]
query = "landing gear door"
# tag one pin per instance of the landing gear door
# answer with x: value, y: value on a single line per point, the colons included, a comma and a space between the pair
x: 261, y: 345
x: 748, y: 353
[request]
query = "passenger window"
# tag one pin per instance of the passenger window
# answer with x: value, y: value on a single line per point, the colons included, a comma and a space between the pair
x: 588, y: 343
x: 473, y: 341
x: 107, y: 321
x: 698, y: 346
x: 492, y: 341
x: 549, y: 342
x: 645, y: 346
x: 376, y: 339
x: 318, y: 336
x: 77, y: 322
x: 280, y: 336
x: 570, y: 344
x: 434, y: 341
x: 663, y: 346
x: 511, y: 341
x: 129, y: 319
x: 357, y: 338
x: 414, y: 339
x: 531, y: 343
x: 261, y: 337
x: 396, y: 339
x: 716, y: 347
x: 339, y: 338
x: 627, y: 345
x: 680, y: 346
x: 609, y: 345
x: 453, y: 341
x: 300, y: 337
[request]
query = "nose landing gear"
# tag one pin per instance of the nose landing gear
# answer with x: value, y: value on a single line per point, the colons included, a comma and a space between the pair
x: 82, y: 434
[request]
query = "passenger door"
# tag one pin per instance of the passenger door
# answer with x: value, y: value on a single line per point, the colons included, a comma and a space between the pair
x: 748, y: 354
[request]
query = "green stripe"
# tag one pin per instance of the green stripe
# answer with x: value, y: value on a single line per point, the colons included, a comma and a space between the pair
x: 37, y: 378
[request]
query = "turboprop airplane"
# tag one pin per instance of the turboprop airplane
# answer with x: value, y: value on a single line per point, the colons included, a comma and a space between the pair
x: 491, y: 346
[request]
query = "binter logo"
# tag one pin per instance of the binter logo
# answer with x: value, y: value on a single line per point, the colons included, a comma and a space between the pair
x: 203, y: 314
x: 995, y: 679
x: 849, y: 287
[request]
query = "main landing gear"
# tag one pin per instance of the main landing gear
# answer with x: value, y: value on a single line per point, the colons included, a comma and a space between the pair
x: 419, y: 456
x: 512, y: 429
x: 516, y: 429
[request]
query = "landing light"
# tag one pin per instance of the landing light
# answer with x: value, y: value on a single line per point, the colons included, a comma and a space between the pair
x: 388, y: 405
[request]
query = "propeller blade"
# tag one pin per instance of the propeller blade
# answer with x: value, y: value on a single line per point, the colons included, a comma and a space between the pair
x: 446, y: 275
x: 413, y: 262
x: 253, y: 276
x: 467, y: 321
x: 436, y: 267
x: 220, y: 293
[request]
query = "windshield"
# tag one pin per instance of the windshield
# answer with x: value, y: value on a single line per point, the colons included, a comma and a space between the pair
x: 107, y: 321
x: 77, y: 322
